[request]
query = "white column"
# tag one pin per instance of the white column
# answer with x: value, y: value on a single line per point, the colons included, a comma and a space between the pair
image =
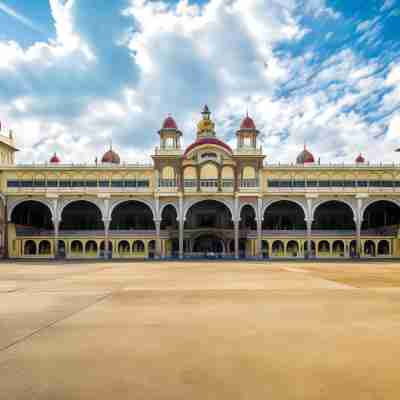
x: 106, y: 237
x: 56, y: 224
x: 157, y: 223
x: 259, y: 239
x: 236, y: 227
x: 309, y: 231
x: 181, y: 238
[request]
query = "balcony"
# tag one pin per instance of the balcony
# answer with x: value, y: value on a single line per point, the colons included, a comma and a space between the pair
x: 167, y: 185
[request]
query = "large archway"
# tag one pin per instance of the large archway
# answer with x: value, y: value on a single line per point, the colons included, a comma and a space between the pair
x: 284, y: 215
x: 132, y: 214
x: 382, y: 217
x: 210, y: 214
x: 81, y: 215
x: 32, y: 215
x: 333, y: 215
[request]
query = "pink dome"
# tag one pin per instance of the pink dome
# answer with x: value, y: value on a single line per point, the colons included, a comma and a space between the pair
x: 248, y: 123
x: 360, y: 159
x: 111, y: 157
x: 169, y: 123
x: 305, y: 157
x: 54, y: 159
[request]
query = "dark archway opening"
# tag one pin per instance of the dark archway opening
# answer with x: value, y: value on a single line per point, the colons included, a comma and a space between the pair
x: 81, y: 215
x: 248, y: 218
x: 208, y: 245
x: 169, y: 218
x: 382, y: 217
x: 132, y: 215
x: 209, y: 214
x: 333, y: 215
x: 284, y: 215
x: 31, y: 216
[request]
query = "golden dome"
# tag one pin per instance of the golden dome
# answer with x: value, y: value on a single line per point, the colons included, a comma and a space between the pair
x: 206, y: 126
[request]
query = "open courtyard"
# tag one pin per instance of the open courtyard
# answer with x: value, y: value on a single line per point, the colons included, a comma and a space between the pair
x: 199, y: 330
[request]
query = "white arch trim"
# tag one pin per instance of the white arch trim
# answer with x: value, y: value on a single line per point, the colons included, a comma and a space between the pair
x: 372, y: 201
x: 271, y: 202
x: 65, y: 204
x: 169, y: 204
x: 13, y: 204
x: 226, y: 203
x: 253, y: 206
x: 119, y: 202
x: 320, y: 203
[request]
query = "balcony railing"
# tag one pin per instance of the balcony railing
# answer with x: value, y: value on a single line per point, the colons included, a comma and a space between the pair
x: 249, y: 183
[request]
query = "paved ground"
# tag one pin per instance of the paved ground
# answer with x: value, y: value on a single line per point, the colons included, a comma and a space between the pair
x: 199, y: 331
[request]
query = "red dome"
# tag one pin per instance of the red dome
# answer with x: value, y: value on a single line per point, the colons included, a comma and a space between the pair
x: 111, y: 157
x: 54, y: 159
x: 360, y: 159
x: 169, y: 123
x: 209, y: 140
x: 305, y: 157
x: 248, y: 123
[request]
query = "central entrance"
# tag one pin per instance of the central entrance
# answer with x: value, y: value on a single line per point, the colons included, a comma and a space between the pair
x: 208, y: 229
x: 208, y: 245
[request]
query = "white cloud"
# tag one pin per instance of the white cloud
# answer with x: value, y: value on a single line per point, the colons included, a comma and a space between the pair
x: 117, y: 72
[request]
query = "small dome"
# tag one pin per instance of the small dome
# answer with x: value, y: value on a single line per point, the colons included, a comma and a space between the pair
x: 111, y: 157
x: 169, y: 123
x: 248, y: 123
x: 360, y: 159
x: 305, y: 157
x: 54, y: 159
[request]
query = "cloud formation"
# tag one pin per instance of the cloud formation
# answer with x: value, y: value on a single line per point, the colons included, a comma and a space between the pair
x: 116, y: 69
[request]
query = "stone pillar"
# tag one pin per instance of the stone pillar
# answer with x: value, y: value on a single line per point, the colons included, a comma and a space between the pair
x: 181, y: 238
x: 236, y: 227
x: 307, y: 254
x: 259, y: 239
x: 157, y: 224
x: 106, y: 238
x: 358, y: 238
x: 56, y: 224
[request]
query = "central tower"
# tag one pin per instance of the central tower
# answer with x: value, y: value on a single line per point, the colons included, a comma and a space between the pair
x: 205, y: 128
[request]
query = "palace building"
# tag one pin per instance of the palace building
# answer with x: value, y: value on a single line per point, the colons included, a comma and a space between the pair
x: 206, y: 199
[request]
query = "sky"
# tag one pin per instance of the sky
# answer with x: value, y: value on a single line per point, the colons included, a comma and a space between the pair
x: 76, y: 75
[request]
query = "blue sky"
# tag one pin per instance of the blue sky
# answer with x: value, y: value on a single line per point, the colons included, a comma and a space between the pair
x: 76, y: 73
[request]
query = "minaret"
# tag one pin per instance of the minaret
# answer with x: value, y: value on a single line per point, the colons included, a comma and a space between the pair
x: 170, y: 136
x: 247, y: 135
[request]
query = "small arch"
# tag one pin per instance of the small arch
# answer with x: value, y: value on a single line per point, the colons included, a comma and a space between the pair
x: 383, y: 248
x: 324, y: 248
x: 369, y: 248
x: 278, y: 248
x: 103, y: 246
x: 91, y: 247
x: 209, y: 171
x: 138, y: 246
x: 168, y: 172
x: 292, y: 248
x: 248, y: 172
x: 30, y: 248
x: 124, y: 247
x: 338, y: 248
x: 248, y: 217
x: 76, y: 247
x: 152, y: 248
x: 169, y: 217
x: 44, y: 247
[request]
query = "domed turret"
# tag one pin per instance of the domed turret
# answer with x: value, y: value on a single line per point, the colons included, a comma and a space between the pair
x: 111, y: 157
x: 169, y: 123
x: 248, y: 123
x: 205, y: 127
x: 360, y: 159
x: 305, y: 157
x: 54, y: 159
